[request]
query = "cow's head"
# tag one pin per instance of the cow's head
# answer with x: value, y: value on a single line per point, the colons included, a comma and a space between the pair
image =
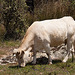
x: 23, y: 57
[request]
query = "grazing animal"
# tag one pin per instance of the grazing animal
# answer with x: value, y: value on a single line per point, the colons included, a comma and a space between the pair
x: 42, y: 35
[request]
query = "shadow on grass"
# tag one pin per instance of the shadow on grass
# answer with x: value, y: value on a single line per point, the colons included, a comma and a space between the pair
x: 15, y: 67
x: 40, y: 61
x: 44, y: 60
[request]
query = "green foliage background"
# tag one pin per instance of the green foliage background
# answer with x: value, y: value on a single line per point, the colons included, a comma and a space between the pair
x: 17, y: 15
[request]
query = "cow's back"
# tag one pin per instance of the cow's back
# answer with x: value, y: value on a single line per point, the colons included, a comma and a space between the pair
x: 54, y: 31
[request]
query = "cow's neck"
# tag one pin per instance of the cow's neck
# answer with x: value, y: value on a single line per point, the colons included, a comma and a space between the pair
x: 27, y: 42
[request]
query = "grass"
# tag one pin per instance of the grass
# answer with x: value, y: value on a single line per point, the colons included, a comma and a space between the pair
x: 39, y: 69
x: 57, y: 68
x: 10, y: 43
x: 6, y: 46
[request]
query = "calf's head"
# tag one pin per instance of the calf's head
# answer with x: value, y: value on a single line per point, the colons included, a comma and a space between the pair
x: 23, y: 57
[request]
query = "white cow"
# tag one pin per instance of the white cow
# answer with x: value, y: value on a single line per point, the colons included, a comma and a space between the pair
x: 42, y: 35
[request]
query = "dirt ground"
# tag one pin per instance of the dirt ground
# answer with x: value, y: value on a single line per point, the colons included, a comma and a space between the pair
x: 6, y: 51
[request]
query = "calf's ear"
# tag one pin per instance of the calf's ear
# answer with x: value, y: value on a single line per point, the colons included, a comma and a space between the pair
x: 23, y: 52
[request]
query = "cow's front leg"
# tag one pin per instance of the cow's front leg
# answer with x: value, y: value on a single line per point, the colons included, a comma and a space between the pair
x: 34, y: 58
x: 49, y: 58
x: 47, y: 48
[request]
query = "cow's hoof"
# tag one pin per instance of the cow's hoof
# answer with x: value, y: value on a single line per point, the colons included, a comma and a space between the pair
x: 64, y: 61
x: 50, y: 63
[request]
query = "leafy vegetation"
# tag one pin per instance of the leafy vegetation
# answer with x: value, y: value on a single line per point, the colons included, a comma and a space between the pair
x: 12, y: 17
x: 18, y: 15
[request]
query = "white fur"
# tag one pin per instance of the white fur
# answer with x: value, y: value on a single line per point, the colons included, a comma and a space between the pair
x: 42, y: 35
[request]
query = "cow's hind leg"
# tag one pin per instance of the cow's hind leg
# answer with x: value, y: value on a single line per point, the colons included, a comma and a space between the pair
x: 69, y: 47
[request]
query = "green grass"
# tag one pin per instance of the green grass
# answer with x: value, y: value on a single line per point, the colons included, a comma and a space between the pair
x: 10, y: 43
x: 58, y: 68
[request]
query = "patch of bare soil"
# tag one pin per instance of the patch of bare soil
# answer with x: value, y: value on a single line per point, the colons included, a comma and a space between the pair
x: 6, y: 55
x: 5, y: 51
